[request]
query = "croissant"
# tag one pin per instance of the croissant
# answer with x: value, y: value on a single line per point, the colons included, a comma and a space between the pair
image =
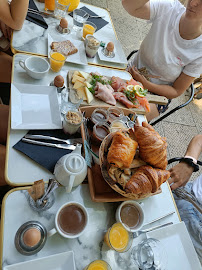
x: 121, y: 151
x: 152, y: 147
x: 146, y: 180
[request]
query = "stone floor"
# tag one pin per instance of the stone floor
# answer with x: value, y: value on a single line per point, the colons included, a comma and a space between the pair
x: 179, y: 127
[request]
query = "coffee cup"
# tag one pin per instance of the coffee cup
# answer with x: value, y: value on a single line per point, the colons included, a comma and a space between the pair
x: 35, y: 66
x: 131, y: 214
x: 71, y: 220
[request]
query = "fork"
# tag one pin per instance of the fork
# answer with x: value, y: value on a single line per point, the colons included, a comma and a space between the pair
x: 183, y: 194
x: 43, y: 137
x: 136, y: 234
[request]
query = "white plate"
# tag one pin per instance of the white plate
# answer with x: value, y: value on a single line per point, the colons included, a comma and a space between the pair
x: 178, y: 245
x: 34, y: 107
x: 119, y: 54
x: 77, y: 58
x: 61, y: 261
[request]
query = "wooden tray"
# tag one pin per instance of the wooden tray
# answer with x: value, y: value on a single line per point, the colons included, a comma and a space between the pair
x: 99, y: 103
x: 100, y: 191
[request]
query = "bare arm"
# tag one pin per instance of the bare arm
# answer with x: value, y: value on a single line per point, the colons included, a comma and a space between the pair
x: 137, y: 8
x: 178, y: 87
x: 14, y: 14
x: 181, y: 173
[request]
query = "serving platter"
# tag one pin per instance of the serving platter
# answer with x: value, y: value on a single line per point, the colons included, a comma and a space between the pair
x: 97, y: 102
x: 178, y: 246
x: 34, y: 107
x: 100, y: 190
x: 59, y: 261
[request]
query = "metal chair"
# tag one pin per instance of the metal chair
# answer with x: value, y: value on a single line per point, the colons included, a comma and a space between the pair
x: 176, y: 108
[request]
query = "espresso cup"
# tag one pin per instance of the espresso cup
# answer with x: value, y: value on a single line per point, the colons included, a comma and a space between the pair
x: 131, y: 214
x: 70, y: 221
x: 35, y: 66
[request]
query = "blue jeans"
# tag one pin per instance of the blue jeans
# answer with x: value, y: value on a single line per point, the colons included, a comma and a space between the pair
x: 193, y: 220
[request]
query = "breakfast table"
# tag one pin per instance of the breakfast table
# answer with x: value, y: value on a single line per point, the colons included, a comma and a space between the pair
x: 21, y: 172
x: 34, y: 39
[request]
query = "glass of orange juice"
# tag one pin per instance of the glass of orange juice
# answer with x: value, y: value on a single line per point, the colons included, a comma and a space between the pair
x: 89, y: 28
x: 118, y: 238
x: 57, y: 61
x: 49, y: 5
x: 98, y: 265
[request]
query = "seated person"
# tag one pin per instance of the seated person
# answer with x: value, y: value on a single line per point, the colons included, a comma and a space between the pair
x: 12, y: 16
x: 180, y: 175
x: 172, y: 50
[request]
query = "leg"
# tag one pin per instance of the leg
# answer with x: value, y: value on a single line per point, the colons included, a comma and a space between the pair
x: 5, y: 67
x: 153, y: 112
x: 4, y: 110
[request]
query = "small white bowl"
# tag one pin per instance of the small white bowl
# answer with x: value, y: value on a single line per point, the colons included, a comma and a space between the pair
x: 35, y: 66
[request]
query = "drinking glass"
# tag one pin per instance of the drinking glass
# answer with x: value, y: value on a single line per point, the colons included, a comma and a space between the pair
x: 79, y: 17
x: 61, y: 8
x: 57, y: 60
x: 149, y: 254
x: 98, y: 264
x: 118, y: 238
x: 89, y: 28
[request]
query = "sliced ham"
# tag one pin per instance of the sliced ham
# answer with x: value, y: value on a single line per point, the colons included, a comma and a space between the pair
x: 121, y: 97
x: 105, y: 93
x: 118, y: 84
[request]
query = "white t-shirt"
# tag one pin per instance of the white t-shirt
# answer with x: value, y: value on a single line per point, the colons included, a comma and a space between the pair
x: 164, y: 52
x: 197, y: 188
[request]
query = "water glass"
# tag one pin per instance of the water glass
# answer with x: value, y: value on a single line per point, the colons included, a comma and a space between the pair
x: 149, y: 254
x: 79, y: 17
x: 61, y: 8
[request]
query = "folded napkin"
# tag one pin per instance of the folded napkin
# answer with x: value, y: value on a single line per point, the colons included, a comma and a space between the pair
x: 100, y: 23
x: 45, y: 155
x: 37, y: 19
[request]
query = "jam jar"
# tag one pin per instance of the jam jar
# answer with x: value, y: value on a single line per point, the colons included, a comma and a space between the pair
x: 114, y: 113
x: 100, y: 131
x: 98, y: 116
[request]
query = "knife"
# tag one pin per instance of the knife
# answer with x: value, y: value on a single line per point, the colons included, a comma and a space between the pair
x: 159, y: 218
x: 43, y: 137
x: 41, y: 13
x: 61, y: 146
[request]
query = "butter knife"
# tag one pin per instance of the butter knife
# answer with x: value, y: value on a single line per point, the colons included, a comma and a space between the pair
x: 41, y: 13
x: 45, y: 137
x: 61, y: 146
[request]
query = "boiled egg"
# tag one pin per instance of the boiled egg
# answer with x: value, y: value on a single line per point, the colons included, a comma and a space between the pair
x: 64, y: 23
x: 110, y: 46
x: 31, y: 237
x: 59, y: 81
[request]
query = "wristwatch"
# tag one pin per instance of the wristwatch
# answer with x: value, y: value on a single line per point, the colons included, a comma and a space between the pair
x: 190, y: 162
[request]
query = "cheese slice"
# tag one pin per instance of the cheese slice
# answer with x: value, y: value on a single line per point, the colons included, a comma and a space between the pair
x: 77, y: 78
x: 83, y: 74
x: 78, y: 84
x: 75, y: 73
x: 87, y: 84
x: 81, y: 93
x: 89, y: 95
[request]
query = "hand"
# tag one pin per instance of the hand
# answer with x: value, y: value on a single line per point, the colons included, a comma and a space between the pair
x: 136, y: 75
x: 180, y: 175
x: 6, y: 30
